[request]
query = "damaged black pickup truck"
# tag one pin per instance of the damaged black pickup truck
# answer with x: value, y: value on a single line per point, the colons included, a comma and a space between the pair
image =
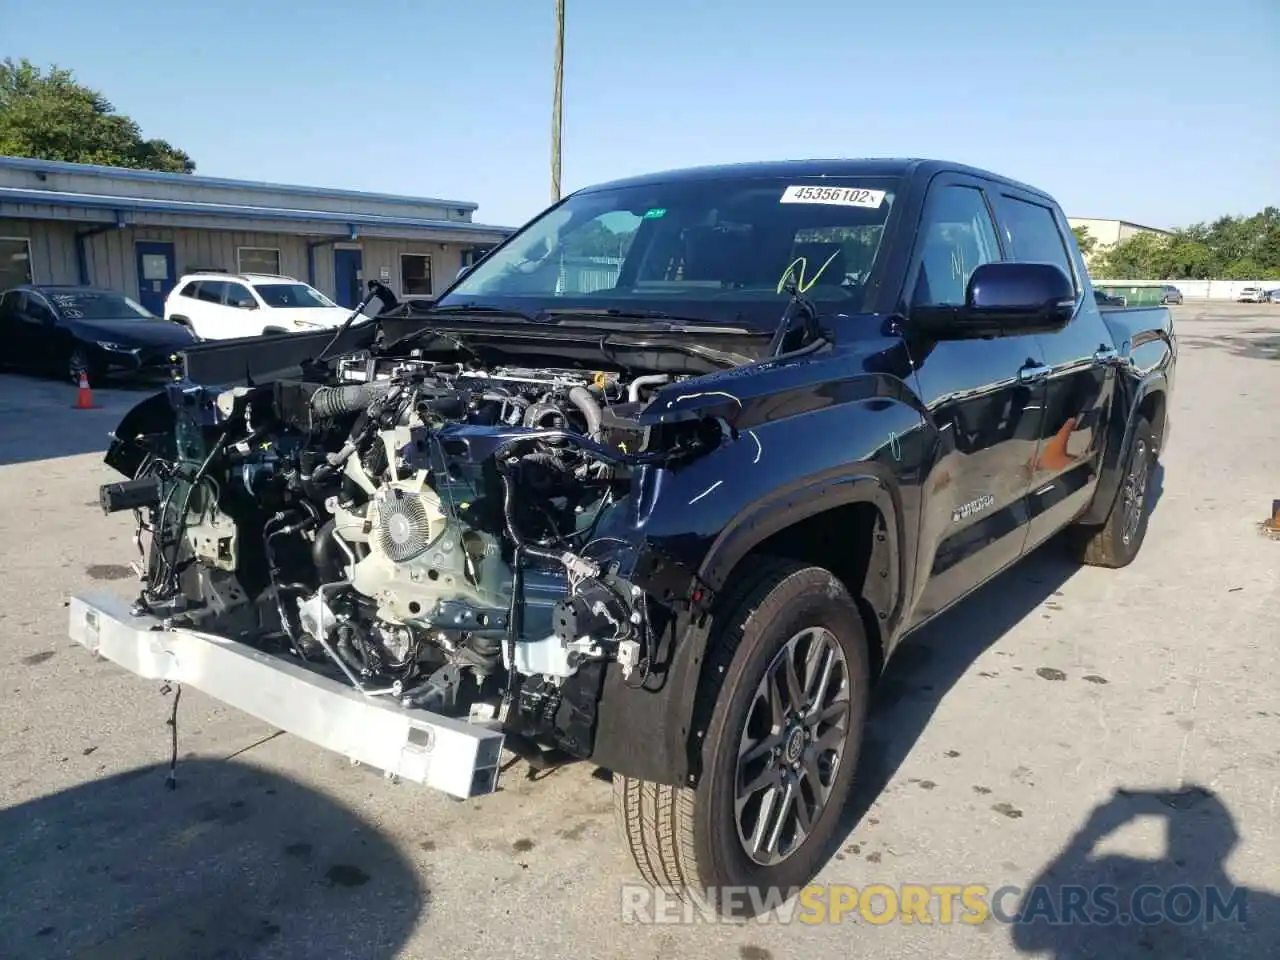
x: 661, y: 482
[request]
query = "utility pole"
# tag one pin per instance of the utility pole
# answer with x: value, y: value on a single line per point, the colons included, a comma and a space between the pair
x: 557, y: 120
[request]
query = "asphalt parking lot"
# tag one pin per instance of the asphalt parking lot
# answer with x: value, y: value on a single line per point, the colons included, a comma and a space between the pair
x: 1066, y: 725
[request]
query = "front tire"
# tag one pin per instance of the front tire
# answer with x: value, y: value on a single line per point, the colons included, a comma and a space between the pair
x: 1117, y: 541
x: 783, y: 718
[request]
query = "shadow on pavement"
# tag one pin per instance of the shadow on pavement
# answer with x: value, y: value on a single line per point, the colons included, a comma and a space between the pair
x: 38, y: 422
x: 1237, y: 345
x: 236, y: 862
x: 1181, y: 905
x: 929, y: 663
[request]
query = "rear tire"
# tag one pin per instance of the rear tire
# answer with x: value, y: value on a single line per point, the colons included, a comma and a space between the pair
x: 1116, y: 542
x: 78, y: 360
x: 798, y: 736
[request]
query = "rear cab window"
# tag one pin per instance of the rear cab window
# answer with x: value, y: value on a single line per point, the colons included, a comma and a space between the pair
x: 1034, y: 235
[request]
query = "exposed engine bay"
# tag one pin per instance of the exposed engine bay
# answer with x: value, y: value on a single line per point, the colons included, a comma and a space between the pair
x: 429, y: 531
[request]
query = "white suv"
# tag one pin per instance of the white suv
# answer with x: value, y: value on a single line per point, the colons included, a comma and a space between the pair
x: 219, y: 306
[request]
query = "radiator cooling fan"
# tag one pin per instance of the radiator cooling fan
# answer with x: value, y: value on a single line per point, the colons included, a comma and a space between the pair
x: 408, y: 523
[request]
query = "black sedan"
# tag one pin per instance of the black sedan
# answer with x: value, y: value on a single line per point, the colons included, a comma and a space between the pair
x: 63, y: 330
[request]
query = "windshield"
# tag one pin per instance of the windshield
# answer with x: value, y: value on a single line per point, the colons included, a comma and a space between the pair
x: 92, y: 305
x: 711, y: 249
x: 292, y: 295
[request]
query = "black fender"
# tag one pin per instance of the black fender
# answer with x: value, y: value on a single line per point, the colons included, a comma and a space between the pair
x: 653, y: 735
x: 867, y: 483
x: 1115, y: 458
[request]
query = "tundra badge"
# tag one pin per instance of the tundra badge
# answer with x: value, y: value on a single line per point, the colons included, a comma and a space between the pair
x: 967, y: 510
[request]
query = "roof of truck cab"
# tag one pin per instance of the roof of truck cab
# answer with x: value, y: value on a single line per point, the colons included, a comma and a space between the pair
x: 813, y: 169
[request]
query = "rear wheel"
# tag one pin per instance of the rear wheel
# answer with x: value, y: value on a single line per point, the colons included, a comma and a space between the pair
x: 79, y: 361
x: 782, y: 726
x: 1117, y: 541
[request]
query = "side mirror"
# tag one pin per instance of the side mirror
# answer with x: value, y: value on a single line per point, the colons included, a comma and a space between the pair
x: 1004, y: 299
x: 247, y: 304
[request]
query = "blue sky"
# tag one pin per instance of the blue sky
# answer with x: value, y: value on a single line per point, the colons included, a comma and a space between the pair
x: 1160, y: 111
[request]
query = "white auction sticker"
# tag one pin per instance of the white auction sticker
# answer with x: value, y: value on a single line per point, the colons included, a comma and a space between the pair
x: 840, y: 196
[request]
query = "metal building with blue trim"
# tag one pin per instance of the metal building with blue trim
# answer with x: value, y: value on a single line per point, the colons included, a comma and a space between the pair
x: 137, y: 231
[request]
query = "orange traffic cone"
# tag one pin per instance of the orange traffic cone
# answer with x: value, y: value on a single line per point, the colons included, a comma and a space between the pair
x: 84, y: 396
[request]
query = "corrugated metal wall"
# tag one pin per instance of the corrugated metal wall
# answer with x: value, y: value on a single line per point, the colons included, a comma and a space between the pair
x: 112, y: 260
x: 53, y: 248
x: 446, y: 260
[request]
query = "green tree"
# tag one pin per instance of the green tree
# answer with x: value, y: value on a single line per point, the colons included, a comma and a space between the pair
x: 1085, y: 241
x: 1229, y: 248
x: 48, y: 116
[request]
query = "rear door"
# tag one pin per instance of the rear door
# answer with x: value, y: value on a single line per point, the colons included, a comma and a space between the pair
x: 1081, y: 377
x: 206, y: 312
x: 43, y: 343
x: 984, y: 399
x: 246, y: 321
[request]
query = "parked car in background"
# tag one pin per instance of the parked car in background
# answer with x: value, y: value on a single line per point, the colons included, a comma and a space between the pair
x: 64, y: 330
x: 220, y: 306
x: 1251, y: 295
x: 1170, y: 294
x: 1273, y: 296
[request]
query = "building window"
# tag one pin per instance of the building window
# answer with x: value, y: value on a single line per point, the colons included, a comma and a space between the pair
x: 15, y: 262
x: 258, y: 260
x: 415, y: 275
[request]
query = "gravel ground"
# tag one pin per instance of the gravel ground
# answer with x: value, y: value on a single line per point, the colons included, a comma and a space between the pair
x: 1065, y: 725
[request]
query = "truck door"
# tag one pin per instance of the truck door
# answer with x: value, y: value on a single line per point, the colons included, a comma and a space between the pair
x: 1081, y: 375
x: 984, y: 399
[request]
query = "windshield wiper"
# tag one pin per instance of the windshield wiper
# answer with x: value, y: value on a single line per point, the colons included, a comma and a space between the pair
x: 661, y: 320
x: 462, y: 308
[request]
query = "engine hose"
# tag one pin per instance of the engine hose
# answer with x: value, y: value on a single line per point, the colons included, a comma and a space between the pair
x: 328, y: 402
x: 323, y: 553
x: 346, y: 649
x: 581, y: 398
x: 509, y: 514
x: 652, y: 380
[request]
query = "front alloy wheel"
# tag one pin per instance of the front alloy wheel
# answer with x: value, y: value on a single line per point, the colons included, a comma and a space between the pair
x: 791, y: 745
x: 779, y: 723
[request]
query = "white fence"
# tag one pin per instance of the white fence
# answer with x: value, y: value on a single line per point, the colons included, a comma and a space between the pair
x: 1196, y: 289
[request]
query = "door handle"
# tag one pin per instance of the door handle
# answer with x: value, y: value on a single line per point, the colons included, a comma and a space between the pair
x: 1033, y: 373
x: 1105, y: 354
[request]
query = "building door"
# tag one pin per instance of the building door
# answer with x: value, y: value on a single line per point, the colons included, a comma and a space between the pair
x: 155, y: 273
x: 348, y: 276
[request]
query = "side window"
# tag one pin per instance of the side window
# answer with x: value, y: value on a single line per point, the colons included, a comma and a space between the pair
x: 235, y: 293
x: 190, y: 289
x: 9, y: 303
x: 958, y: 236
x: 1034, y: 235
x: 210, y: 291
x: 39, y: 311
